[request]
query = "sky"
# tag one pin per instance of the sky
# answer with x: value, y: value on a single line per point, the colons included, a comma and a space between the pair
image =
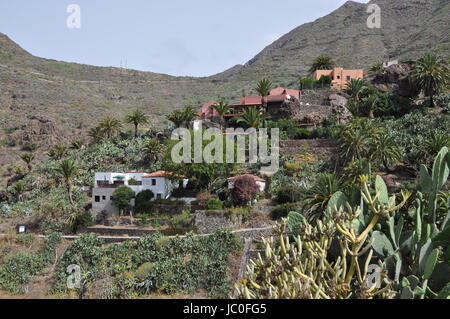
x: 176, y: 37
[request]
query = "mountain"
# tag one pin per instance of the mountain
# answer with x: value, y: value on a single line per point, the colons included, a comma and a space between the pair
x: 47, y: 101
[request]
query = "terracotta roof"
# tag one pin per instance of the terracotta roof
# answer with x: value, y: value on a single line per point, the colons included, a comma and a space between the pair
x: 251, y: 100
x: 256, y: 178
x: 159, y: 174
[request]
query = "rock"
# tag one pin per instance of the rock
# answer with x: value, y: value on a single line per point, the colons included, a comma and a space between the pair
x: 339, y: 109
x: 396, y: 79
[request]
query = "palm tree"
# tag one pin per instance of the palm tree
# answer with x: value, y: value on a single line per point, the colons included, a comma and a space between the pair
x: 434, y: 144
x: 371, y: 103
x: 57, y: 152
x: 263, y: 87
x: 385, y: 151
x: 222, y: 108
x: 28, y: 158
x: 189, y: 114
x: 96, y: 133
x: 153, y: 150
x: 136, y: 118
x: 431, y: 75
x: 322, y: 62
x: 252, y: 117
x: 68, y: 170
x: 377, y: 69
x: 356, y: 87
x: 182, y: 117
x: 176, y: 117
x: 110, y: 126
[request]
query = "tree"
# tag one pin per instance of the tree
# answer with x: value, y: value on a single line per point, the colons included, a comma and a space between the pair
x: 153, y: 150
x: 356, y: 87
x: 28, y: 158
x: 182, y: 117
x: 252, y: 117
x: 263, y: 87
x: 222, y: 108
x: 189, y: 114
x: 385, y: 151
x: 57, y: 152
x: 431, y: 75
x: 96, y: 133
x: 143, y: 204
x: 110, y: 126
x: 322, y: 62
x: 121, y: 198
x: 371, y: 104
x: 244, y: 190
x: 68, y: 170
x: 377, y: 69
x: 136, y: 118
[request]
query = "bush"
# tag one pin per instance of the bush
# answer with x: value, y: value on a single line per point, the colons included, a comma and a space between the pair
x: 203, y: 198
x: 288, y: 194
x: 143, y: 204
x: 244, y: 191
x: 283, y: 210
x: 214, y: 204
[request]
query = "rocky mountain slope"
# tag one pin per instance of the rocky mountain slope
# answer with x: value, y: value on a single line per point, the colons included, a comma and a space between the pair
x: 47, y: 101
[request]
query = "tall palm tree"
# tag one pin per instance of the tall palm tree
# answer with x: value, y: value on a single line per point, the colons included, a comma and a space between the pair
x: 377, y: 69
x: 252, y: 117
x: 263, y: 87
x: 136, y: 118
x: 57, y: 152
x: 222, y: 108
x: 110, y: 126
x: 322, y: 62
x: 431, y: 75
x: 96, y: 133
x: 28, y: 158
x: 68, y: 170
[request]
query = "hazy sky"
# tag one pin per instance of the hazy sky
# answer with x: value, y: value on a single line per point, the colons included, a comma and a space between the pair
x: 178, y: 37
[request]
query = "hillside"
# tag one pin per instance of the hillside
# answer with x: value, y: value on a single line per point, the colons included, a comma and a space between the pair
x: 47, y: 101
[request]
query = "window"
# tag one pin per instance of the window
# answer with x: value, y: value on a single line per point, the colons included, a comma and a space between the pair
x: 159, y: 196
x: 349, y: 77
x: 338, y: 77
x: 103, y: 197
x: 97, y: 199
x: 153, y: 182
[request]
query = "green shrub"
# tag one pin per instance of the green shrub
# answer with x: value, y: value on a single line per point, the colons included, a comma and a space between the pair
x: 214, y: 204
x: 283, y: 210
x: 288, y: 194
x: 143, y: 204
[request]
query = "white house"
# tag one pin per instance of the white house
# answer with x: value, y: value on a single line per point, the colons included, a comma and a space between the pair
x: 105, y: 184
x: 261, y: 182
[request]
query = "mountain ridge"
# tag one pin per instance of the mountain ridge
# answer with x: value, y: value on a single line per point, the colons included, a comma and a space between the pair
x: 74, y: 97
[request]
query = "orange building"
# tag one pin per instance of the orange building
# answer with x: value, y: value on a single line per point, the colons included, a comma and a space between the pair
x: 339, y: 76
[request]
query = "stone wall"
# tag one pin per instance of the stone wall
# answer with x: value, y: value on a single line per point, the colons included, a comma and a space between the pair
x: 207, y: 222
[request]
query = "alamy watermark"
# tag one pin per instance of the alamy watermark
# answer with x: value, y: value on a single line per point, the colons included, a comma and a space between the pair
x: 74, y: 19
x: 74, y: 278
x: 374, y: 19
x: 238, y: 146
